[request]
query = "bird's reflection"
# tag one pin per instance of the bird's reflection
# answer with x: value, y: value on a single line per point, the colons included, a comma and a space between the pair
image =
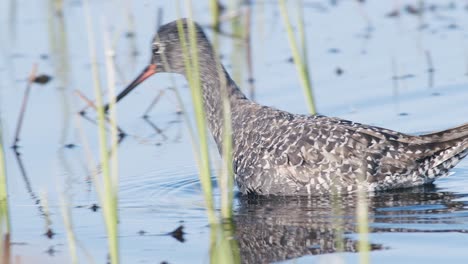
x: 270, y: 230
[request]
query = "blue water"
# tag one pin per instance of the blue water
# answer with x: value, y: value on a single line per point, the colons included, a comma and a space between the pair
x: 159, y: 188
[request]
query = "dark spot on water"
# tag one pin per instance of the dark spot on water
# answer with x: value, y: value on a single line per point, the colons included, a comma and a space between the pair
x: 413, y: 10
x: 164, y: 262
x: 42, y: 79
x: 49, y: 234
x: 394, y: 13
x: 15, y: 147
x: 142, y: 232
x: 435, y: 94
x: 403, y: 114
x: 70, y: 146
x: 94, y: 207
x: 44, y: 56
x: 16, y: 55
x: 158, y: 144
x: 251, y: 80
x: 452, y: 26
x: 404, y: 77
x: 423, y: 26
x: 19, y: 244
x: 338, y: 71
x: 178, y: 234
x: 333, y: 50
x: 122, y: 135
x: 51, y: 251
x: 290, y: 60
x: 130, y: 34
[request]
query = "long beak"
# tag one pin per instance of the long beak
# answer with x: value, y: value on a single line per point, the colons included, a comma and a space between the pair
x: 145, y: 74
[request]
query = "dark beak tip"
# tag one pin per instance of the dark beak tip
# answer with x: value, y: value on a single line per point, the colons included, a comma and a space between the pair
x: 145, y: 74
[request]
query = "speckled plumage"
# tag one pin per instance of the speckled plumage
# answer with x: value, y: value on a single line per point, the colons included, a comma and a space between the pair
x: 279, y: 153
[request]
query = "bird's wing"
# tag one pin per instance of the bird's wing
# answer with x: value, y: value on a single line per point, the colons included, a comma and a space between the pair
x: 328, y: 152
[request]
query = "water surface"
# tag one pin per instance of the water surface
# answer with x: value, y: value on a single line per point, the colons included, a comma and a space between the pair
x: 384, y: 81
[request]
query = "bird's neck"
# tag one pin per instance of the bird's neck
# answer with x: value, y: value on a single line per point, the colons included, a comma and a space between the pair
x: 216, y: 85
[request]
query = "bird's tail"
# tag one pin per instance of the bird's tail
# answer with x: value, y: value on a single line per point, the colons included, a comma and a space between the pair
x: 451, y: 146
x: 458, y: 132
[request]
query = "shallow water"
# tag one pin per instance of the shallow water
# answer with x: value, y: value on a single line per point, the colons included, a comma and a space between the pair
x: 159, y: 188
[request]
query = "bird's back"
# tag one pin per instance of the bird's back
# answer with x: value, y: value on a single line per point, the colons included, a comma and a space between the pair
x: 278, y: 153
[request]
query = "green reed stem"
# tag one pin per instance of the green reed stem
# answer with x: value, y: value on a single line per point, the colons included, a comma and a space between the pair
x: 224, y: 248
x: 109, y: 196
x: 238, y: 43
x: 110, y: 73
x: 299, y: 57
x: 4, y: 212
x: 181, y: 102
x: 226, y: 179
x: 193, y: 75
x: 214, y: 7
x: 67, y: 220
x: 362, y: 214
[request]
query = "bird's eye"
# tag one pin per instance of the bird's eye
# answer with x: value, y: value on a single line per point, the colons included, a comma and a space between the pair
x: 156, y: 49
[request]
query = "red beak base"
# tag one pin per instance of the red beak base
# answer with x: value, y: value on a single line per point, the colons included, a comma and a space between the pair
x: 145, y: 74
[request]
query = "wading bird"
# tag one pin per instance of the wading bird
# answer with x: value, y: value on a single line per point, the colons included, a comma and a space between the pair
x: 279, y: 153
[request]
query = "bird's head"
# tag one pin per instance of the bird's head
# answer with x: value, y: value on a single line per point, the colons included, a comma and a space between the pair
x: 167, y: 53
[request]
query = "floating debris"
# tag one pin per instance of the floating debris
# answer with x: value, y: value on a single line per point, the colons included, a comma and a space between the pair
x: 394, y: 13
x: 404, y: 77
x: 70, y: 146
x: 42, y: 79
x: 49, y: 234
x: 413, y: 10
x: 178, y: 234
x: 339, y: 71
x: 51, y: 251
x: 333, y: 50
x: 94, y: 207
